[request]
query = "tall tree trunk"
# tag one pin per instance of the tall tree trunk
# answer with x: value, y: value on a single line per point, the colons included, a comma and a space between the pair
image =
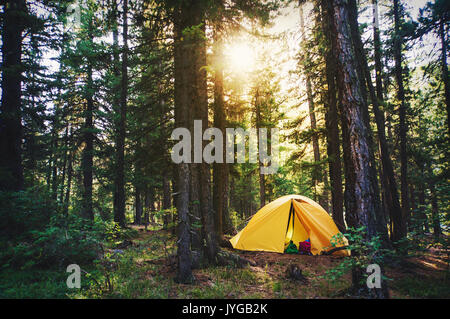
x: 207, y: 210
x: 192, y: 86
x: 11, y: 170
x: 421, y: 196
x: 413, y: 205
x: 51, y: 160
x: 167, y: 201
x: 137, y: 205
x: 317, y: 176
x: 119, y: 211
x: 64, y: 165
x: 377, y: 51
x: 69, y: 181
x: 87, y: 160
x: 366, y: 83
x: 115, y: 99
x: 192, y: 95
x: 437, y: 232
x: 397, y: 49
x: 173, y: 194
x: 149, y: 203
x: 197, y: 230
x: 262, y: 182
x: 262, y: 185
x: 442, y: 35
x: 362, y: 204
x: 332, y: 126
x: 52, y: 182
x: 325, y: 196
x: 391, y: 204
x: 228, y: 227
x: 55, y: 173
x: 182, y: 119
x: 220, y: 178
x: 423, y: 216
x: 388, y: 177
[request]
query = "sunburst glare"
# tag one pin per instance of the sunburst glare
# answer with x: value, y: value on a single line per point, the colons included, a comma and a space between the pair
x: 241, y: 57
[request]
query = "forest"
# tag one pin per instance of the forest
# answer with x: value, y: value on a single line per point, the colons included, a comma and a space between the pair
x: 117, y: 165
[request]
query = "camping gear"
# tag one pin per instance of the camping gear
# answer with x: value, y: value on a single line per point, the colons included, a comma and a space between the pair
x: 289, y: 218
x: 304, y: 247
x: 291, y: 248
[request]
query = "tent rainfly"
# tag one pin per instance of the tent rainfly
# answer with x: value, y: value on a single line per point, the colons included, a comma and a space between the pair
x: 291, y: 217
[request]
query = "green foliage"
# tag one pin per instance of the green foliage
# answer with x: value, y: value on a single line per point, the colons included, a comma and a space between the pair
x: 277, y: 286
x: 194, y: 34
x: 25, y: 211
x: 244, y: 194
x: 32, y: 283
x: 283, y: 185
x: 364, y: 250
x: 60, y: 243
x: 37, y: 235
x: 111, y: 233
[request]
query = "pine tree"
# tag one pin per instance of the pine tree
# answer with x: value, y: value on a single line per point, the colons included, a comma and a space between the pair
x: 362, y: 206
x: 14, y: 23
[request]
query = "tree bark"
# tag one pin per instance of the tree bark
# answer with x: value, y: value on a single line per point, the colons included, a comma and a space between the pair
x: 398, y: 70
x: 197, y: 229
x: 422, y: 204
x: 119, y: 209
x: 262, y: 182
x: 377, y: 51
x: 64, y: 165
x: 87, y: 161
x: 210, y: 234
x: 11, y: 170
x: 413, y: 205
x: 220, y: 177
x: 149, y: 203
x: 167, y: 201
x: 137, y: 206
x: 332, y: 126
x: 69, y: 181
x: 437, y: 232
x: 421, y: 199
x: 388, y: 177
x: 317, y: 176
x: 362, y: 205
x: 183, y: 118
x: 365, y: 82
x: 442, y: 35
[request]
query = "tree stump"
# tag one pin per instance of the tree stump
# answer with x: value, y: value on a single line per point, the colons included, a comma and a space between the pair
x: 294, y: 272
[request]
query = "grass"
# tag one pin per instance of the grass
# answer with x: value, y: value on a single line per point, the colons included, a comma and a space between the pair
x: 33, y: 284
x: 415, y: 287
x: 143, y: 271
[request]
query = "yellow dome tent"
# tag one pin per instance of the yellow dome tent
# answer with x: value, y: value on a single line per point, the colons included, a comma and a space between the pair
x: 291, y: 217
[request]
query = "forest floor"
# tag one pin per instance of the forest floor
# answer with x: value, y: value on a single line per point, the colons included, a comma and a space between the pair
x: 144, y: 266
x: 424, y: 276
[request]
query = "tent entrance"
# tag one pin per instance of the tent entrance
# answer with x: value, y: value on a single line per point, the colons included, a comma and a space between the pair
x: 295, y: 230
